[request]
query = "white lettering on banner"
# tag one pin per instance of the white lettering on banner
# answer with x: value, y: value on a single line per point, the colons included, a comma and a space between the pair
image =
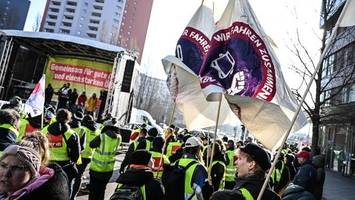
x: 198, y: 37
x: 237, y: 29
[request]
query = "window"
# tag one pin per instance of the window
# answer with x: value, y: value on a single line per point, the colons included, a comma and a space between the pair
x: 51, y: 23
x: 66, y: 24
x: 96, y: 14
x: 56, y: 3
x: 71, y: 10
x: 91, y: 35
x: 325, y: 95
x: 328, y: 66
x: 64, y: 31
x: 71, y: 3
x: 352, y: 93
x: 49, y: 30
x: 52, y: 16
x: 94, y: 21
x: 54, y: 9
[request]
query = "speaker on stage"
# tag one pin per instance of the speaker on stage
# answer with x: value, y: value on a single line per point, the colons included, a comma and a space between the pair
x: 127, y: 76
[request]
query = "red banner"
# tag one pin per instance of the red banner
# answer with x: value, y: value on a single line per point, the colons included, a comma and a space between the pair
x: 80, y: 74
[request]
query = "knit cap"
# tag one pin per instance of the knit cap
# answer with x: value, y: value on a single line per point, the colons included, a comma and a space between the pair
x: 29, y: 157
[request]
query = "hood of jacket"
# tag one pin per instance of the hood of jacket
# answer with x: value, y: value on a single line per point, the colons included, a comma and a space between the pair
x: 293, y: 192
x: 135, y: 177
x: 58, y: 128
x: 111, y: 131
x: 318, y: 161
x: 74, y: 123
x: 35, y: 121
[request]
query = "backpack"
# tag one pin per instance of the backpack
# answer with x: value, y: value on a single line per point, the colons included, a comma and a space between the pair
x: 173, y: 180
x: 127, y: 193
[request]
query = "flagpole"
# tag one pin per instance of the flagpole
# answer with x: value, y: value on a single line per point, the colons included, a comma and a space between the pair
x: 214, y: 140
x: 172, y: 114
x: 42, y: 116
x: 332, y: 38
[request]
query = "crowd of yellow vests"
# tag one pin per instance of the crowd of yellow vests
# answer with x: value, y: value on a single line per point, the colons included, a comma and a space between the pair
x: 206, y: 168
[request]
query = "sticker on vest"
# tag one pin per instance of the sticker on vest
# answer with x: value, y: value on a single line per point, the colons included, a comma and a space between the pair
x: 55, y: 141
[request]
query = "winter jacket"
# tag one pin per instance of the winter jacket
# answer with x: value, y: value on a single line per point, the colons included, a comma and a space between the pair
x: 296, y: 192
x: 252, y: 183
x: 217, y: 172
x: 140, y: 143
x: 319, y: 163
x: 52, y: 184
x: 291, y: 169
x: 91, y: 104
x: 7, y: 137
x: 140, y: 177
x: 306, y: 176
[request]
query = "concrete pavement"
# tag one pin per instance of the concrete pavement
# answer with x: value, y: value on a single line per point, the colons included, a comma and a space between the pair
x: 338, y: 187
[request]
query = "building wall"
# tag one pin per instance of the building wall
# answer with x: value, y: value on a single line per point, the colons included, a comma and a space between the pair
x: 13, y: 14
x: 134, y: 26
x: 338, y: 80
x: 95, y: 19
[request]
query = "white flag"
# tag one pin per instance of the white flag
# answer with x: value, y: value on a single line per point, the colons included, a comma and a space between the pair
x: 242, y: 65
x: 35, y: 103
x: 349, y: 14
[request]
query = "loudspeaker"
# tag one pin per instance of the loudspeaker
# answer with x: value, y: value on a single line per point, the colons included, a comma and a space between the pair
x: 127, y: 76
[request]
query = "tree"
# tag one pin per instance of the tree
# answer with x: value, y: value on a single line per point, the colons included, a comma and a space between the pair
x: 333, y: 77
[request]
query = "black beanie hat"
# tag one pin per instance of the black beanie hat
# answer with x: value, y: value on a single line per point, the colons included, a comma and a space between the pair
x: 153, y: 132
x: 140, y: 157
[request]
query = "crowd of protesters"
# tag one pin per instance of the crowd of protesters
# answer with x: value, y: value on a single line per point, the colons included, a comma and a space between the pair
x: 46, y: 160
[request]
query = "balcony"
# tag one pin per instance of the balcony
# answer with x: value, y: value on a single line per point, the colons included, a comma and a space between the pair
x: 48, y: 19
x: 91, y: 32
x: 70, y: 7
x: 69, y: 14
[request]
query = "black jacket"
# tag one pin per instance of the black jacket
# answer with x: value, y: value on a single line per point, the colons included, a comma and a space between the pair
x: 217, y: 171
x: 7, y: 137
x: 252, y: 183
x: 55, y: 188
x: 140, y: 177
x: 141, y: 145
x: 73, y: 143
x: 306, y: 176
x: 319, y: 163
x: 296, y: 192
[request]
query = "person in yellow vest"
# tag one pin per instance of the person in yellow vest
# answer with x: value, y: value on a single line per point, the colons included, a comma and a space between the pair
x: 218, y: 167
x: 231, y: 168
x: 159, y: 159
x: 135, y: 132
x: 196, y: 174
x: 253, y: 162
x: 29, y: 126
x: 103, y: 160
x: 64, y: 146
x: 9, y: 119
x: 280, y: 176
x: 139, y: 174
x: 143, y: 142
x: 87, y: 132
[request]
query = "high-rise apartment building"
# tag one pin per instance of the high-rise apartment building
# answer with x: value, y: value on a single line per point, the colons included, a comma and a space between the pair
x: 13, y: 13
x: 95, y: 19
x: 134, y: 26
